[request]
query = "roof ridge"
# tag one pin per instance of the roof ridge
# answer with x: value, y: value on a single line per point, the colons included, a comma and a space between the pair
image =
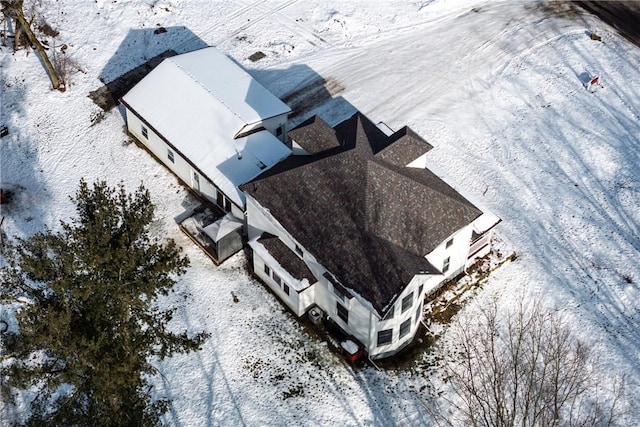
x: 402, y: 170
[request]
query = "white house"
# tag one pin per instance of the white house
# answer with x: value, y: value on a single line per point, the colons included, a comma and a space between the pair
x: 210, y: 122
x: 355, y: 224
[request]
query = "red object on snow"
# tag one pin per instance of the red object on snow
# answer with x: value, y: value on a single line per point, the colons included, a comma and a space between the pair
x: 595, y: 80
x: 351, y: 351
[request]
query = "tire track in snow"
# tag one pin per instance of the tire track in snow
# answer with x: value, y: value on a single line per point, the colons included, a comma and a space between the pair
x: 254, y: 21
x: 309, y: 35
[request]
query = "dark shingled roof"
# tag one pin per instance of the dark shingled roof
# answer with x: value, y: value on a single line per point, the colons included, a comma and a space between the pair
x: 364, y: 216
x: 403, y: 147
x: 286, y: 258
x: 315, y: 135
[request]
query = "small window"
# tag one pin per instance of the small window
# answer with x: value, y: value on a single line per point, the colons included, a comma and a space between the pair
x: 343, y: 313
x: 299, y: 251
x: 420, y: 290
x: 279, y: 131
x: 267, y: 270
x: 445, y: 264
x: 286, y: 288
x: 407, y: 302
x: 336, y: 288
x: 145, y: 132
x: 449, y: 243
x: 385, y: 337
x: 227, y: 204
x: 277, y: 279
x: 170, y: 156
x: 405, y: 327
x: 219, y: 198
x: 419, y: 313
x: 390, y: 313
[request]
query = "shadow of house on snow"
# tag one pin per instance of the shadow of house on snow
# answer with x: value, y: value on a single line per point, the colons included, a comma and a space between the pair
x: 307, y: 93
x: 140, y: 52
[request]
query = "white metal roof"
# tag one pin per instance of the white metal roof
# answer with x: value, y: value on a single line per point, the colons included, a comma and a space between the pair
x: 198, y: 101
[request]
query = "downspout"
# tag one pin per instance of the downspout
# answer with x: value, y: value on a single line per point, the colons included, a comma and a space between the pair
x: 370, y: 341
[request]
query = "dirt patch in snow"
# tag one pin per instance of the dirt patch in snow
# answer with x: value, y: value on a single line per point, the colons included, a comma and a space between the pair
x: 311, y: 95
x: 108, y: 95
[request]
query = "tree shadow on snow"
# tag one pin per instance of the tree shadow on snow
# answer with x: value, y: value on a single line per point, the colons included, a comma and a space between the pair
x: 25, y: 196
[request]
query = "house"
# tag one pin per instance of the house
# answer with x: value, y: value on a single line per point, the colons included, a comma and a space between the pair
x: 210, y: 123
x: 356, y: 224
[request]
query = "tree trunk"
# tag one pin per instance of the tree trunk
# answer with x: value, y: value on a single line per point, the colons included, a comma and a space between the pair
x: 14, y: 9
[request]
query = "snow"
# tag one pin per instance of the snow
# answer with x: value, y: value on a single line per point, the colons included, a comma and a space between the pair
x: 199, y: 101
x: 222, y: 227
x: 349, y: 346
x: 495, y: 87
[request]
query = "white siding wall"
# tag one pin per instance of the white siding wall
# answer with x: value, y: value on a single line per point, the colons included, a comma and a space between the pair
x: 179, y: 166
x: 293, y: 300
x: 400, y: 317
x: 457, y: 252
x: 362, y: 323
x: 274, y: 123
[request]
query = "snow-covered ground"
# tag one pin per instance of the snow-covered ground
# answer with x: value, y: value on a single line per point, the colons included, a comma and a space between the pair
x: 495, y: 87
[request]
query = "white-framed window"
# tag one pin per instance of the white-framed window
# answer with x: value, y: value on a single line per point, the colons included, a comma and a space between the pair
x: 385, y: 337
x: 279, y: 131
x: 342, y: 311
x: 170, y: 156
x: 285, y: 287
x: 277, y: 279
x: 145, y: 132
x: 390, y: 313
x: 405, y: 327
x: 267, y: 270
x: 227, y: 204
x: 449, y: 243
x: 407, y: 302
x: 420, y: 290
x: 445, y: 264
x: 419, y: 313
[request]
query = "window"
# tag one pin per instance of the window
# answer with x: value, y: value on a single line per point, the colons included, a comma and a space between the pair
x: 267, y: 270
x: 227, y: 204
x: 390, y: 313
x: 449, y: 243
x: 343, y: 313
x: 445, y: 264
x: 170, y: 156
x: 337, y: 288
x: 145, y: 132
x: 407, y: 302
x: 405, y: 327
x: 277, y: 279
x: 286, y: 288
x: 420, y: 290
x: 219, y: 198
x: 279, y: 131
x: 385, y: 337
x: 299, y: 251
x: 419, y: 313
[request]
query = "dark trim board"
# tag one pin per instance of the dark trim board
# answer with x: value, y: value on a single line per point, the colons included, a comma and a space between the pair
x: 166, y: 141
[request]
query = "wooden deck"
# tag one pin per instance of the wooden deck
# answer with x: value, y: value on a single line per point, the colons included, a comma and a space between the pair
x: 192, y: 221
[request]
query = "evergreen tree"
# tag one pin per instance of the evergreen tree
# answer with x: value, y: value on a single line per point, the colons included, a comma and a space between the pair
x: 88, y: 321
